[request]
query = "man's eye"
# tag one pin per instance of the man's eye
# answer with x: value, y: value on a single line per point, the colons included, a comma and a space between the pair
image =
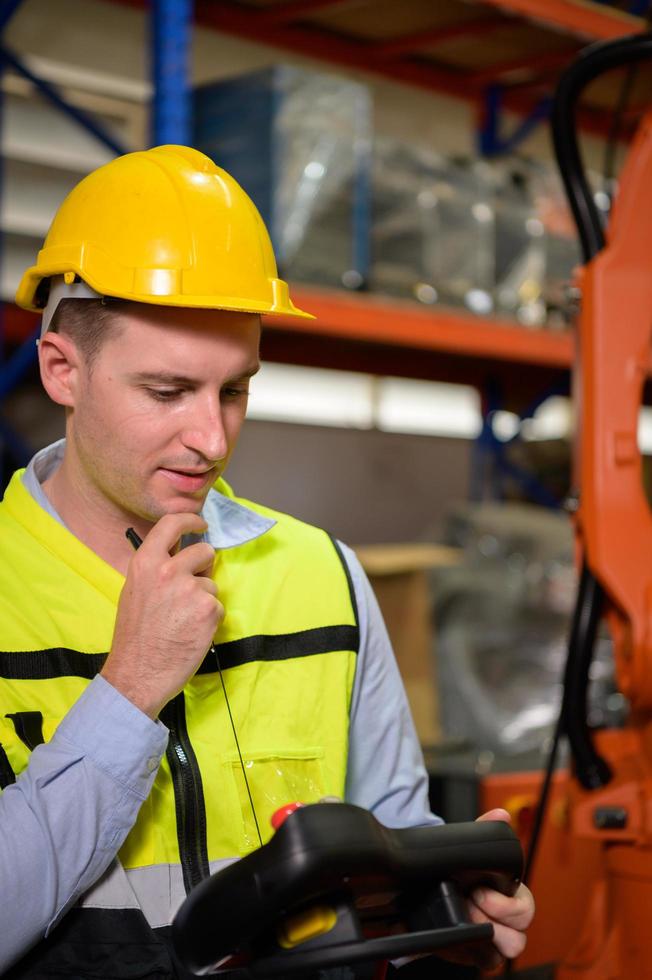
x: 234, y: 392
x: 164, y: 394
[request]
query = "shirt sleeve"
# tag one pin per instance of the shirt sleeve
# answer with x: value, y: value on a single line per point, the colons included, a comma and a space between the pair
x: 66, y: 816
x: 386, y: 773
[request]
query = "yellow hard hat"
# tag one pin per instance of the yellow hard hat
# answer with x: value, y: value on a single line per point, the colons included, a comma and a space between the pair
x: 164, y: 226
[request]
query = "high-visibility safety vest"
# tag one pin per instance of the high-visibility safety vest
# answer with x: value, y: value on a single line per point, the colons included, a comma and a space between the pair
x: 287, y: 648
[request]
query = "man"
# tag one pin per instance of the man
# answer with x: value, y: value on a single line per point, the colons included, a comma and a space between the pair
x: 122, y: 781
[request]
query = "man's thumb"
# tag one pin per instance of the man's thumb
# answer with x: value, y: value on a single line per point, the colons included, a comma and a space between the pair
x: 497, y: 814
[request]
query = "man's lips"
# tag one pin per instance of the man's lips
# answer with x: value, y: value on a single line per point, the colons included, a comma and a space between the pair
x: 189, y: 480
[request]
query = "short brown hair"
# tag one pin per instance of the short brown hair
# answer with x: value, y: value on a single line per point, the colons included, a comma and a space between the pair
x: 88, y: 322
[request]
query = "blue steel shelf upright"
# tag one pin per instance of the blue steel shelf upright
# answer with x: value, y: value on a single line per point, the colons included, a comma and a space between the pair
x: 171, y: 32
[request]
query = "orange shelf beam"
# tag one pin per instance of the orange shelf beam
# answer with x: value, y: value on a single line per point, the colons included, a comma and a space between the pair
x: 411, y: 43
x: 579, y: 17
x: 378, y: 320
x: 382, y: 336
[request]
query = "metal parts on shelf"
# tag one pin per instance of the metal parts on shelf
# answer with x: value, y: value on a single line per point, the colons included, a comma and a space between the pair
x: 397, y: 219
x: 502, y: 618
x: 492, y: 237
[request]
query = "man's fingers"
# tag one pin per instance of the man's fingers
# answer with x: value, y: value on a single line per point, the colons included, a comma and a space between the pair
x: 196, y: 559
x: 508, y: 943
x: 510, y: 917
x: 516, y: 911
x: 496, y: 814
x: 167, y: 532
x: 207, y: 584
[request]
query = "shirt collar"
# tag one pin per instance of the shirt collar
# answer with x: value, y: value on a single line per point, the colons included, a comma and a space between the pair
x: 229, y: 523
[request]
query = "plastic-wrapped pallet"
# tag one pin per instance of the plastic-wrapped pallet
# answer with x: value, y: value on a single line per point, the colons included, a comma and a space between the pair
x: 299, y: 143
x: 520, y: 249
x: 403, y: 240
x: 536, y: 244
x: 562, y: 250
x: 502, y: 621
x: 432, y: 228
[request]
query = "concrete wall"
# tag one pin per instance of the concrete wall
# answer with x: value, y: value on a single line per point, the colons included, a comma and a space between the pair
x: 362, y: 486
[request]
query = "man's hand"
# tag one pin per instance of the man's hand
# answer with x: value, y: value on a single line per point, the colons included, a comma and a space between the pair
x: 167, y: 615
x: 510, y: 917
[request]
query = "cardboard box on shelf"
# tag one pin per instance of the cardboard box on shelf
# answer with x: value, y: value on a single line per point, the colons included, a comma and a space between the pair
x: 399, y: 576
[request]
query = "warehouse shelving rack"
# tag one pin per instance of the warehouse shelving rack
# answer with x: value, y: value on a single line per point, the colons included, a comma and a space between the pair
x: 524, y: 44
x: 391, y: 337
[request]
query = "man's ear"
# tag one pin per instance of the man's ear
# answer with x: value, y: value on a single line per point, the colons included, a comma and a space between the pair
x: 60, y: 364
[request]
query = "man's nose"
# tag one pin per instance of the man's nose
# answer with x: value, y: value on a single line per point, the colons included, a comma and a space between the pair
x: 205, y: 433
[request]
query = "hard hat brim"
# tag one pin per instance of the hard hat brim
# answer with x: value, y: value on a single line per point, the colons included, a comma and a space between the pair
x: 281, y: 304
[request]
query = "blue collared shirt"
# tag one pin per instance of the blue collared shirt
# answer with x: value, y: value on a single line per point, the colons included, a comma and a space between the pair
x: 106, y: 752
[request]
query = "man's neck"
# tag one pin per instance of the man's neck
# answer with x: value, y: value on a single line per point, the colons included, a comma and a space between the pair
x: 91, y: 517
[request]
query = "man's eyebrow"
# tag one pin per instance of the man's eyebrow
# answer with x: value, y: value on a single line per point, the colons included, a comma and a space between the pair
x: 248, y: 372
x: 161, y: 377
x: 170, y: 378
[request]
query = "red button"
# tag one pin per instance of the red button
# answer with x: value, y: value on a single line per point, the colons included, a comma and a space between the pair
x: 279, y: 816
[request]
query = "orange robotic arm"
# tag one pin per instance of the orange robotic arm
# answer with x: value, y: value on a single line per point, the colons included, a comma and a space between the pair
x: 613, y: 519
x: 595, y: 857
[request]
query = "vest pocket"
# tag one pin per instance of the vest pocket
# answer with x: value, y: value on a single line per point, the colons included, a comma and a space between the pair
x: 274, y: 779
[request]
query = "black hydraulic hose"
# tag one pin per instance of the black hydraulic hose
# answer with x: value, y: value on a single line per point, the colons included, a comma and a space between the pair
x: 591, y: 769
x: 592, y: 62
x: 539, y: 815
x: 542, y: 805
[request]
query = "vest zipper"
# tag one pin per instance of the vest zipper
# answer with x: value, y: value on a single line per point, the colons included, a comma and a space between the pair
x: 188, y: 795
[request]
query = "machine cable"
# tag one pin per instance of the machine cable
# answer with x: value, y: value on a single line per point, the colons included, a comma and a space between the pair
x: 213, y: 650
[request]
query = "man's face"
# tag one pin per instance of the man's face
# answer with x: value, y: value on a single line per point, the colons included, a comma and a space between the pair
x: 156, y: 420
